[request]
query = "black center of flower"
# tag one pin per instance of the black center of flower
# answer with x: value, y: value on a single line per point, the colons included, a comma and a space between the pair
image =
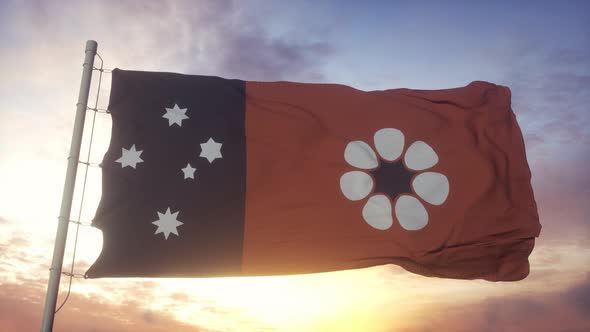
x: 392, y: 179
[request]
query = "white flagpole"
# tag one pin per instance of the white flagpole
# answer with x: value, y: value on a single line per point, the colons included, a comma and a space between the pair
x: 68, y: 192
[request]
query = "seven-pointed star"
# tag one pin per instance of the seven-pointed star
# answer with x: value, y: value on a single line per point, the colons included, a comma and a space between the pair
x: 189, y: 171
x: 167, y: 223
x: 211, y: 150
x: 175, y: 115
x: 130, y: 157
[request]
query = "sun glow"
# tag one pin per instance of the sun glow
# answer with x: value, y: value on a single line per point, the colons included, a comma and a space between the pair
x: 321, y: 302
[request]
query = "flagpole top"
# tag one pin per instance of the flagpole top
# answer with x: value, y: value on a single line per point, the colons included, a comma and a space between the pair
x: 92, y: 46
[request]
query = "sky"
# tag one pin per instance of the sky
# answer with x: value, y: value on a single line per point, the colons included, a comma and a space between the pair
x: 540, y: 49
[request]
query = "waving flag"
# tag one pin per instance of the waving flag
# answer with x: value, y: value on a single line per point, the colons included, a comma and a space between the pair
x: 206, y: 176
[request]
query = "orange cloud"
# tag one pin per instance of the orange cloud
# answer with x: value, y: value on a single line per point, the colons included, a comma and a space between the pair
x: 21, y: 309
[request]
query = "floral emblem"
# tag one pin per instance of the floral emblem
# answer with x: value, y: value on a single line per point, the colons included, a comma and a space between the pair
x: 388, y: 182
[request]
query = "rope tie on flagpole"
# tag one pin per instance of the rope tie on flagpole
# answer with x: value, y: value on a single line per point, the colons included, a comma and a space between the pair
x: 88, y: 164
x: 77, y: 222
x: 98, y: 110
x: 102, y: 70
x: 74, y: 275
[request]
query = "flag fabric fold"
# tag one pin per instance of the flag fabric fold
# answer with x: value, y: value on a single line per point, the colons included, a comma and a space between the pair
x: 207, y: 177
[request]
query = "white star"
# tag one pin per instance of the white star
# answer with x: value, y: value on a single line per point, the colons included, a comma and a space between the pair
x: 130, y: 157
x: 167, y: 223
x: 189, y: 171
x: 211, y: 150
x: 175, y: 115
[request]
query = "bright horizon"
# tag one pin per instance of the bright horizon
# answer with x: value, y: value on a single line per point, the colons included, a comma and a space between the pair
x: 539, y: 50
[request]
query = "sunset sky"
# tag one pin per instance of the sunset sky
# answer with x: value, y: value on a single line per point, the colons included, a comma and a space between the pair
x: 540, y: 49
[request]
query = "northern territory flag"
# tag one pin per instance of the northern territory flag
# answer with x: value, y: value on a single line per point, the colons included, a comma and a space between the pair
x: 206, y: 177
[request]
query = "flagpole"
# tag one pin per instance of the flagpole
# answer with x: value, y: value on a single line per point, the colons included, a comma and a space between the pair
x: 68, y: 191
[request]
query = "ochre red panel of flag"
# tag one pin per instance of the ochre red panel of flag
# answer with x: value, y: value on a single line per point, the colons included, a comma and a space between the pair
x: 208, y: 177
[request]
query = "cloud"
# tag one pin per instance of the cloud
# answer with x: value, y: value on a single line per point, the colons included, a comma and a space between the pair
x: 179, y: 297
x: 548, y: 82
x: 258, y: 58
x: 565, y: 310
x: 568, y: 57
x: 562, y: 188
x: 549, y: 91
x: 21, y: 309
x: 549, y: 86
x: 579, y: 296
x: 222, y: 38
x: 216, y: 38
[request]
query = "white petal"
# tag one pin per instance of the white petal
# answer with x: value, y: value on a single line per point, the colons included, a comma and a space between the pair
x: 410, y: 213
x: 359, y: 154
x: 420, y: 156
x: 431, y: 187
x: 356, y: 185
x: 377, y: 212
x: 389, y: 143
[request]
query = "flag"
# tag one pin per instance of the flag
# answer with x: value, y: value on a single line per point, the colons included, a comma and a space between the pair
x: 206, y: 177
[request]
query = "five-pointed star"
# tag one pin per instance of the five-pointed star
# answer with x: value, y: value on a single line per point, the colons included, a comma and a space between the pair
x: 175, y: 115
x: 167, y: 223
x: 189, y: 171
x: 130, y: 157
x: 211, y: 150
